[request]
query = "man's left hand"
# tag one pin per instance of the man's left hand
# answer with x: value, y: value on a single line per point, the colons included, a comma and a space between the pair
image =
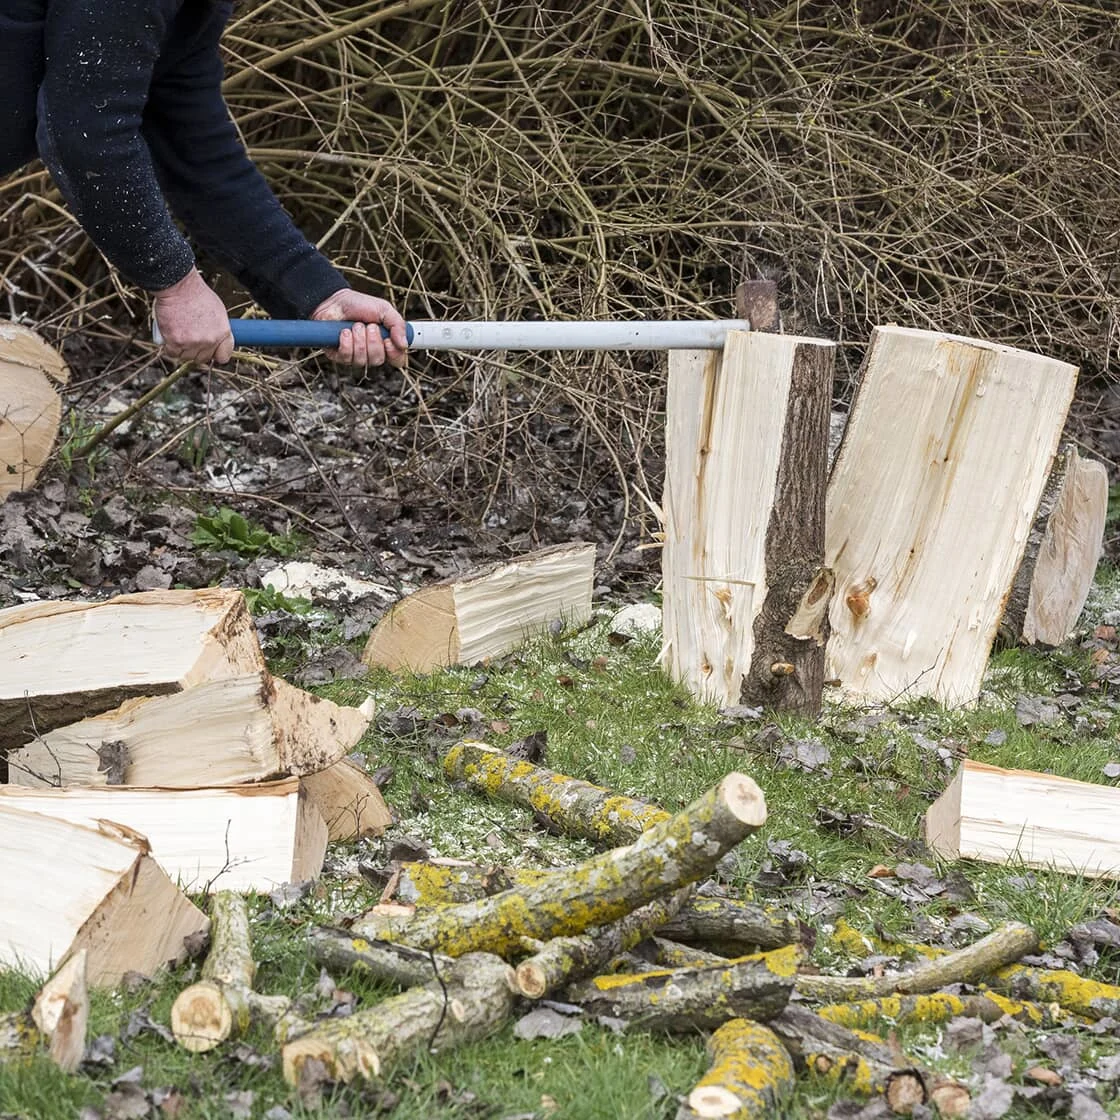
x: 363, y: 345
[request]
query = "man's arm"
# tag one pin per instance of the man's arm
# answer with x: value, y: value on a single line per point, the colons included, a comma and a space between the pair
x: 231, y: 211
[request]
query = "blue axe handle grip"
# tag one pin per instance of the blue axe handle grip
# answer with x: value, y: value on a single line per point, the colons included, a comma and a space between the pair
x: 294, y: 332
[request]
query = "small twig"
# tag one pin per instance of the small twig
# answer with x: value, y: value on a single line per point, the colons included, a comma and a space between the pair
x: 111, y: 426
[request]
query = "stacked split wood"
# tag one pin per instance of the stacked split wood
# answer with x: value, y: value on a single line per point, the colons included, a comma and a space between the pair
x: 149, y: 752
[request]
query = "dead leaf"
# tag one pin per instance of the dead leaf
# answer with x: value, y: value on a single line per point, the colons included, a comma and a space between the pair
x: 240, y: 1103
x: 1043, y: 1076
x: 530, y: 749
x: 1085, y: 1107
x: 544, y: 1022
x: 881, y: 871
x: 993, y: 1100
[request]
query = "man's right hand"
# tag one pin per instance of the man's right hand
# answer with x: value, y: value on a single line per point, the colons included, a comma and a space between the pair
x: 193, y: 321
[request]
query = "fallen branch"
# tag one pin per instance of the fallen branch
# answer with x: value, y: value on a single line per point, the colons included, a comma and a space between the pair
x: 671, y: 954
x: 56, y: 1022
x: 223, y: 1004
x: 750, y: 1076
x: 564, y: 959
x: 672, y: 854
x: 736, y: 927
x: 862, y: 1062
x: 935, y: 1007
x: 685, y: 999
x: 970, y: 965
x: 398, y: 964
x: 572, y: 806
x: 472, y: 1001
x: 1091, y: 998
x: 728, y: 924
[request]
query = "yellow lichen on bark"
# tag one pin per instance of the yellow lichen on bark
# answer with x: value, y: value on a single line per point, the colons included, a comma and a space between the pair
x: 751, y: 1074
x: 574, y: 806
x: 1092, y: 998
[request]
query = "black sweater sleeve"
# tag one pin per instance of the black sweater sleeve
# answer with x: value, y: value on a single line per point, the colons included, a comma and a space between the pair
x: 131, y: 108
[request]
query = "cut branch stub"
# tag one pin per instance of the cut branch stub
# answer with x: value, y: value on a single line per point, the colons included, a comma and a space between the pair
x: 672, y: 854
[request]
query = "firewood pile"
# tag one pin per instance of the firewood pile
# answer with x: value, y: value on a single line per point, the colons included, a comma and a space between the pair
x: 632, y: 937
x: 147, y: 752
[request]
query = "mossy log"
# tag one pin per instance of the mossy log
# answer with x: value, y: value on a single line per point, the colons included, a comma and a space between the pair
x: 472, y: 1001
x: 974, y: 963
x: 734, y: 927
x: 750, y: 1076
x: 56, y: 1023
x: 864, y: 1063
x: 686, y: 999
x: 572, y: 806
x: 399, y: 964
x: 672, y: 854
x: 1091, y: 998
x: 222, y: 1004
x: 564, y: 959
x: 935, y: 1007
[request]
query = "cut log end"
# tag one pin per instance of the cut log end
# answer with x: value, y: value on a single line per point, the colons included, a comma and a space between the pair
x: 712, y: 1102
x: 201, y: 1017
x: 745, y: 801
x: 904, y: 1091
x: 531, y: 980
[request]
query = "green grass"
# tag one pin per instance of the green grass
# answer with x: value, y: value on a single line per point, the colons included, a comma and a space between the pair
x: 613, y: 718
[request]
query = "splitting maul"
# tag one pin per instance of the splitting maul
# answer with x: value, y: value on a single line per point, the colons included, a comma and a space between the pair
x: 640, y: 334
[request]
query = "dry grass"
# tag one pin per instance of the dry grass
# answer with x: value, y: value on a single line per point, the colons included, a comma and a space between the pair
x: 942, y: 163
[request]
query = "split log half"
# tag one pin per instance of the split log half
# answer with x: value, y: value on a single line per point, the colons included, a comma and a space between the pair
x: 65, y: 661
x: 862, y: 1062
x: 348, y: 800
x: 71, y: 886
x: 239, y: 729
x: 974, y: 963
x: 474, y: 1000
x: 1063, y: 549
x: 750, y: 1077
x: 1019, y: 816
x: 745, y: 471
x: 687, y: 999
x: 31, y: 373
x: 486, y: 612
x: 947, y: 450
x: 398, y: 964
x: 672, y: 854
x: 575, y: 807
x: 242, y: 838
x: 57, y: 1020
x: 564, y: 959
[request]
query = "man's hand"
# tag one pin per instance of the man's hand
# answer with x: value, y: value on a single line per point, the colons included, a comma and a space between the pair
x: 364, y: 346
x: 193, y: 321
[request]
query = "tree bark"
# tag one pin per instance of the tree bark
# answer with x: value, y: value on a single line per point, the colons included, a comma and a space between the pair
x: 574, y: 807
x: 672, y: 854
x: 474, y: 1000
x: 750, y: 1077
x: 686, y: 999
x: 791, y: 629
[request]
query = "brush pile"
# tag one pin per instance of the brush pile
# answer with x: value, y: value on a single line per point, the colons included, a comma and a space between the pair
x: 946, y: 164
